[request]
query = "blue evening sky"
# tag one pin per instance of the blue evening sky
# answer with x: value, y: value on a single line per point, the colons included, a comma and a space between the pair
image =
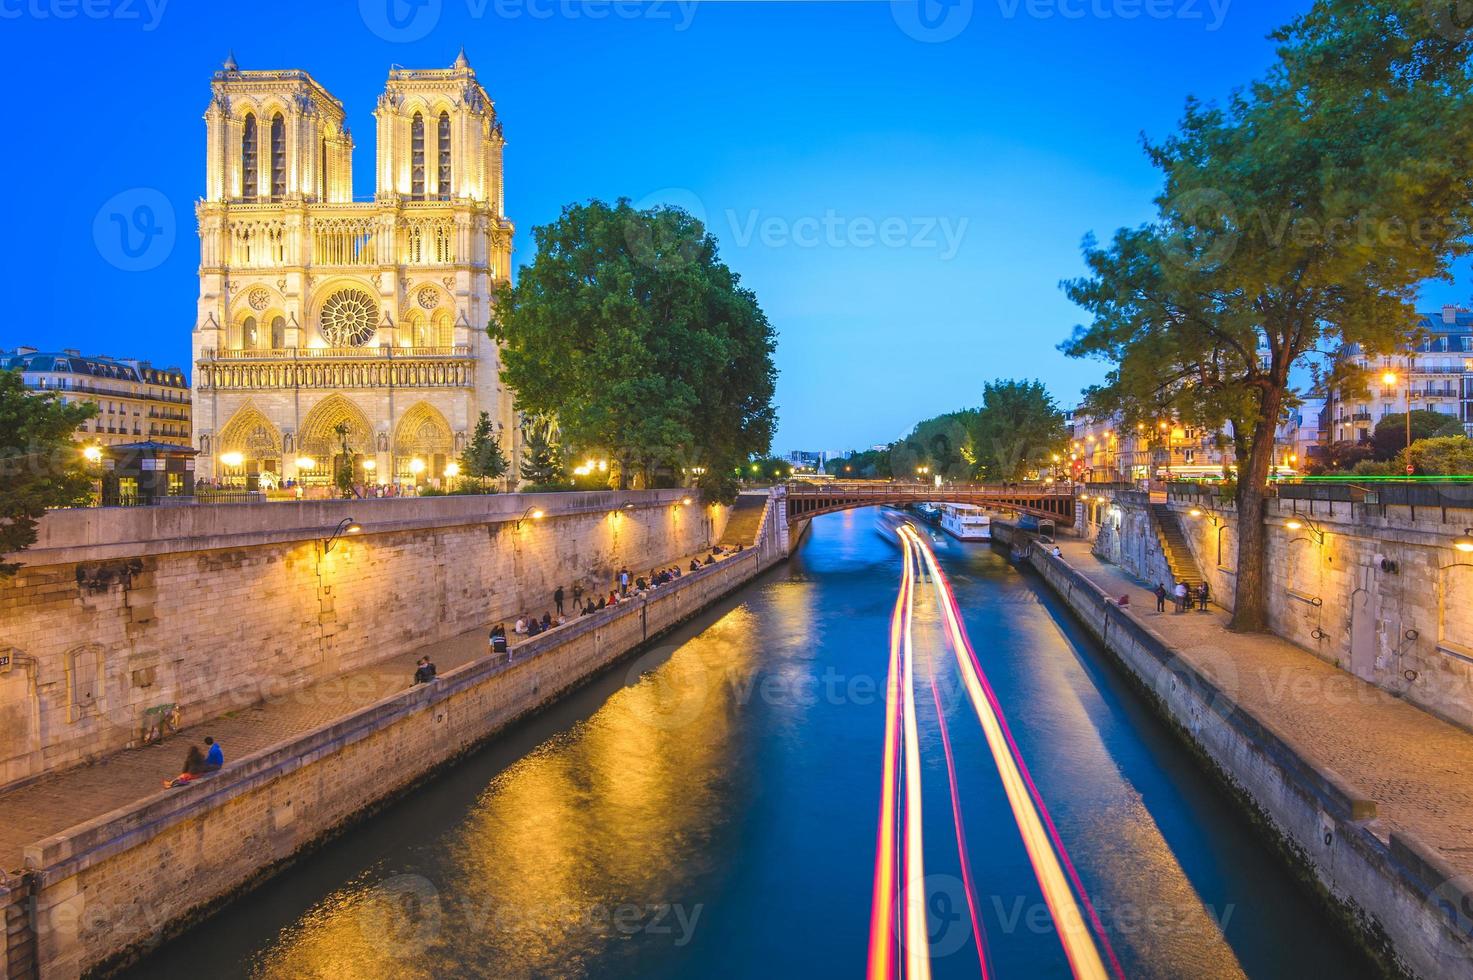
x: 903, y: 201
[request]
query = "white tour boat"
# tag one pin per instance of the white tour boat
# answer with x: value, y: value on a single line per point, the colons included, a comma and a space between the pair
x: 966, y: 522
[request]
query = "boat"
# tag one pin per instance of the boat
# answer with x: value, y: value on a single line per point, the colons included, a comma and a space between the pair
x: 930, y: 513
x: 890, y: 521
x: 966, y: 522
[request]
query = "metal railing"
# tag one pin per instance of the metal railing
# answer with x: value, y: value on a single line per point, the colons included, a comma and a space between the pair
x: 323, y: 353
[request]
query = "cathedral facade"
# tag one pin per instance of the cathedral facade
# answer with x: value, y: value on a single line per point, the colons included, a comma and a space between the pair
x: 326, y: 322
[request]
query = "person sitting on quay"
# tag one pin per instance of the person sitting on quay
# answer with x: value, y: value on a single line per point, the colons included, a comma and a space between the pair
x: 214, y: 756
x: 695, y: 566
x: 521, y: 626
x: 424, y: 671
x: 602, y: 602
x: 640, y: 585
x: 546, y: 621
x: 498, y: 638
x: 194, y: 767
x: 710, y: 560
x: 613, y: 598
x: 533, y: 627
x: 590, y: 609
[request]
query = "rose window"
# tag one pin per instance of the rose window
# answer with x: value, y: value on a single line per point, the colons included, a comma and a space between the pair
x: 348, y: 318
x: 258, y: 298
x: 428, y: 298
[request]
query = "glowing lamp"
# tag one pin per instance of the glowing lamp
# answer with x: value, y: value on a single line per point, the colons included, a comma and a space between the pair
x: 452, y: 469
x: 1295, y: 525
x: 1465, y: 543
x: 1389, y: 378
x: 416, y: 466
x: 370, y: 465
x: 1195, y: 512
x: 232, y: 459
x: 92, y: 454
x: 306, y: 463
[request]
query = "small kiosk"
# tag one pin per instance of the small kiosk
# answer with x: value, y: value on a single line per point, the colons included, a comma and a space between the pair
x: 139, y: 474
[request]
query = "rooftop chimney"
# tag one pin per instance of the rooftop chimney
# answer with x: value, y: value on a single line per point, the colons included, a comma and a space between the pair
x: 1450, y: 314
x: 70, y: 352
x: 23, y: 351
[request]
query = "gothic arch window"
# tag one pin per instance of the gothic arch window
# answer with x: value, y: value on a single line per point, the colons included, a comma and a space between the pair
x: 278, y: 333
x: 349, y: 318
x: 417, y: 158
x: 249, y: 339
x: 444, y: 170
x: 249, y: 161
x: 278, y: 157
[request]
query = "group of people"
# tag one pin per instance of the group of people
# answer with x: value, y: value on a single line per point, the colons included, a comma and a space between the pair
x: 199, y: 762
x: 1183, y: 596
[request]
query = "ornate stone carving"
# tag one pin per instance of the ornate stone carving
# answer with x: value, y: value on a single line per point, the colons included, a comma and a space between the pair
x: 348, y: 318
x: 427, y: 297
x: 259, y: 297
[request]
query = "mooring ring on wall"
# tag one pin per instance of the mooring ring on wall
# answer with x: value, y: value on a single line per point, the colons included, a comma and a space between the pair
x: 1410, y: 675
x: 1413, y: 634
x: 1319, y: 634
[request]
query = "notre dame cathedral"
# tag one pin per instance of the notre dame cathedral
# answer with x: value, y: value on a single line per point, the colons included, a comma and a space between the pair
x: 323, y: 319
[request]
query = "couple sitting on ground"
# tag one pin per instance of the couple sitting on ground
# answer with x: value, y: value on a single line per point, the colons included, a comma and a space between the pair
x: 424, y: 671
x: 198, y: 763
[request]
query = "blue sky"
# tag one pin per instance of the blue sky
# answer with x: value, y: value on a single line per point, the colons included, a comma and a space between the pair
x: 903, y: 195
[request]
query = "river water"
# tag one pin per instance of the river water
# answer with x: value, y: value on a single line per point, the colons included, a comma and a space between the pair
x: 710, y: 810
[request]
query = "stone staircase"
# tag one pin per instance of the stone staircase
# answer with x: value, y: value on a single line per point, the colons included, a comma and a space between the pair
x: 745, y: 521
x: 1174, y: 547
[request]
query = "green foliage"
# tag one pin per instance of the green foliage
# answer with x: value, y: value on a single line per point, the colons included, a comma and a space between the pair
x: 542, y: 458
x: 1373, y: 467
x: 1303, y: 214
x: 483, y: 461
x: 1391, y: 432
x: 872, y: 464
x: 41, y: 465
x: 629, y: 329
x: 1017, y: 430
x: 767, y: 469
x: 342, y: 470
x: 940, y: 445
x: 1443, y: 456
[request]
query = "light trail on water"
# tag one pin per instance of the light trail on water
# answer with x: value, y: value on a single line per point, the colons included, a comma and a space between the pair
x: 917, y: 936
x: 1029, y: 812
x: 883, y: 921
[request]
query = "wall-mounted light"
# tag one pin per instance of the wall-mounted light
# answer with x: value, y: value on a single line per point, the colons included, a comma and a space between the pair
x: 1301, y: 523
x: 346, y: 526
x: 370, y: 465
x: 1465, y: 543
x: 685, y: 501
x: 306, y: 463
x: 232, y: 459
x: 533, y: 513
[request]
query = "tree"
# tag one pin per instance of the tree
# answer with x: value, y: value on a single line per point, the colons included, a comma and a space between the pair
x: 1443, y: 456
x: 872, y: 464
x: 343, y: 466
x: 941, y: 445
x: 1017, y: 430
x: 542, y: 458
x: 40, y: 463
x: 483, y: 460
x: 1301, y: 216
x: 1391, y: 432
x: 768, y: 468
x: 629, y: 328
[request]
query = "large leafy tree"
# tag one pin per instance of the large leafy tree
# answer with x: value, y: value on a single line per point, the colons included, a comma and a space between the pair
x: 629, y: 328
x: 1390, y: 436
x: 40, y: 462
x: 941, y: 445
x: 1300, y: 216
x: 1017, y: 430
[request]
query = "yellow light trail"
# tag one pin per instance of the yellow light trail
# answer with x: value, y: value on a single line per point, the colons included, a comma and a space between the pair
x: 882, y: 909
x: 917, y: 937
x: 1079, y: 946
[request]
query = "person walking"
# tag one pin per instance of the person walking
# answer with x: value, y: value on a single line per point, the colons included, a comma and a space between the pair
x: 557, y: 600
x: 1181, y: 596
x: 624, y: 582
x: 1160, y: 598
x: 1202, y: 595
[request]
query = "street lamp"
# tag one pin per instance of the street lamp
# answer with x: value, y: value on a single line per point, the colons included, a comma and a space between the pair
x: 346, y: 526
x: 533, y: 513
x: 1465, y: 543
x: 452, y: 470
x: 306, y: 463
x: 93, y: 454
x: 1390, y: 379
x: 1300, y: 523
x: 370, y: 465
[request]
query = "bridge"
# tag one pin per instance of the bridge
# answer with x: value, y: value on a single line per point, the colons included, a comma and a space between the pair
x: 808, y: 500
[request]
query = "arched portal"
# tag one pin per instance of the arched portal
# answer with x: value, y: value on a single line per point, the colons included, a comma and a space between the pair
x: 320, y: 437
x: 250, y: 435
x: 425, y: 436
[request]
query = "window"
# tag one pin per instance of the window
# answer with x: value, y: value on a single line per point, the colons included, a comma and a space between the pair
x: 278, y: 157
x: 278, y: 333
x: 322, y: 174
x: 445, y: 175
x: 248, y: 334
x: 248, y: 163
x: 417, y: 158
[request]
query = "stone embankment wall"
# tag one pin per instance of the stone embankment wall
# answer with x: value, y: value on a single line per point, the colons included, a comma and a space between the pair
x: 118, y: 884
x: 1380, y: 592
x: 122, y: 610
x: 1407, y: 902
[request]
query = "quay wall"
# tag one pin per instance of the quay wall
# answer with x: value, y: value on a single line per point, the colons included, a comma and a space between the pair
x: 1412, y: 909
x: 117, y: 611
x: 1378, y: 591
x: 112, y: 888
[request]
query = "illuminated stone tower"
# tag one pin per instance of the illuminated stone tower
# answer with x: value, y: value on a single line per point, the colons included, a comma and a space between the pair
x: 316, y: 310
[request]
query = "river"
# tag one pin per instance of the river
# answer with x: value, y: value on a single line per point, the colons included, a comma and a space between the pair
x: 710, y: 810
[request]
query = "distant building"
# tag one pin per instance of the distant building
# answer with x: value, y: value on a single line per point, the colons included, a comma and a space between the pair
x: 1440, y: 368
x: 1106, y: 451
x: 811, y: 461
x: 135, y: 401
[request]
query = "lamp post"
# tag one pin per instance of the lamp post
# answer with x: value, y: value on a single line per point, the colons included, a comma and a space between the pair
x: 1390, y: 380
x: 346, y: 526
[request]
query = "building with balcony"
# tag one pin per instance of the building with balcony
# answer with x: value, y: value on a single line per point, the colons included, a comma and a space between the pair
x: 326, y: 323
x: 135, y: 401
x: 1106, y: 450
x: 1435, y: 373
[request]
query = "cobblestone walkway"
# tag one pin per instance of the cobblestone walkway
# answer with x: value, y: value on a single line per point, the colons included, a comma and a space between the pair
x: 53, y: 803
x: 1418, y: 769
